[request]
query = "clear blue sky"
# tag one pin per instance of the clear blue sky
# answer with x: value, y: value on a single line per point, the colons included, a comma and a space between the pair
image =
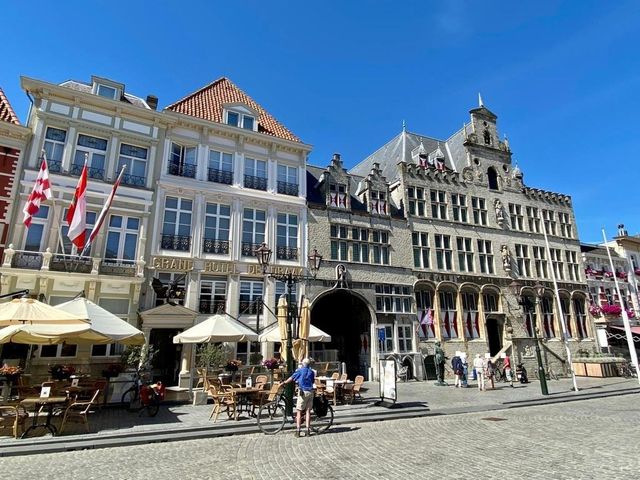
x: 563, y: 77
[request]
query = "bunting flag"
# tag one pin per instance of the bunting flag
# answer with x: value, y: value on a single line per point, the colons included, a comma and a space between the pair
x: 41, y: 191
x: 104, y: 211
x: 77, y: 213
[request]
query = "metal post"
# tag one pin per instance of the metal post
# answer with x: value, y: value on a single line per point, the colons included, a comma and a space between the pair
x: 541, y: 373
x: 288, y: 392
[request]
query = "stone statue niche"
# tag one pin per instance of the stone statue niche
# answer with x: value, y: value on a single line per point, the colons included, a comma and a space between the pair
x: 499, y: 212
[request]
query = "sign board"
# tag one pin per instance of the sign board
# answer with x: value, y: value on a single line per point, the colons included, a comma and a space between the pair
x: 388, y: 392
x: 45, y: 392
x: 74, y: 382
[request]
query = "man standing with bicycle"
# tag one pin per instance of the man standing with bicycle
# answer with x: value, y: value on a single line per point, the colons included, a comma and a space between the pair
x: 305, y: 379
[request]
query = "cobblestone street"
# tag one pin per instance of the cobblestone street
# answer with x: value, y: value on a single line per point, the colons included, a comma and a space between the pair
x: 585, y: 439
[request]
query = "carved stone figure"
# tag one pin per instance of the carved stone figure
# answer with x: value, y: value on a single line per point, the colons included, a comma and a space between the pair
x: 499, y: 211
x: 341, y: 277
x: 506, y: 258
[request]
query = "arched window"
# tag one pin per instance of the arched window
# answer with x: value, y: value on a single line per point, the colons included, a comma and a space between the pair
x: 492, y: 176
x: 448, y: 324
x: 548, y: 327
x: 470, y: 315
x: 424, y: 305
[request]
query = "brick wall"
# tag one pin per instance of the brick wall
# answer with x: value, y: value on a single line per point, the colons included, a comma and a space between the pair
x: 8, y: 163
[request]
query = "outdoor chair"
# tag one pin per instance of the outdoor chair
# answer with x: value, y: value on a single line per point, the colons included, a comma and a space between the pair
x: 343, y: 377
x: 79, y: 410
x: 263, y: 397
x: 348, y: 393
x: 12, y: 417
x: 357, y: 386
x: 335, y: 376
x: 222, y: 400
x: 202, y: 378
x: 403, y: 373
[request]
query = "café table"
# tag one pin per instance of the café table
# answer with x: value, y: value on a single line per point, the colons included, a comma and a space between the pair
x: 48, y: 404
x: 338, y: 386
x: 242, y: 395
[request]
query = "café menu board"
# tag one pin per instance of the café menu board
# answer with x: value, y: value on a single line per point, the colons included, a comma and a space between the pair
x: 388, y: 380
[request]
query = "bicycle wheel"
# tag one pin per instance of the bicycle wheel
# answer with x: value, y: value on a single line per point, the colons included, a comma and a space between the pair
x: 498, y: 375
x: 553, y: 375
x: 154, y: 405
x: 130, y: 399
x: 322, y: 424
x: 271, y: 418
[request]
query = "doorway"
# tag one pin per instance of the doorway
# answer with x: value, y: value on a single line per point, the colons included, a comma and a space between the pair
x: 166, y: 362
x: 494, y: 335
x: 346, y: 318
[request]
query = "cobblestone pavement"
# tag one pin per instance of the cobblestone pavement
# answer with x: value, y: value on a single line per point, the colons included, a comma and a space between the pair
x: 586, y: 439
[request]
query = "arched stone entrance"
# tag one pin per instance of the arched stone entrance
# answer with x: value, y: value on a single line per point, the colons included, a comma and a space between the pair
x: 347, y: 318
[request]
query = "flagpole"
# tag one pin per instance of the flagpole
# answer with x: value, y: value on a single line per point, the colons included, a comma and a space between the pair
x: 55, y: 213
x: 625, y: 317
x: 559, y: 303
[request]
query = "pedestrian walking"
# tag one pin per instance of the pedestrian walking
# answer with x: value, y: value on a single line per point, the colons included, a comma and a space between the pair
x: 478, y: 367
x: 489, y: 371
x: 456, y: 365
x: 465, y: 369
x: 507, y: 369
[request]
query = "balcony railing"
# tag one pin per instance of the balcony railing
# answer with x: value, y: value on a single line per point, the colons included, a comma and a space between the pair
x: 287, y: 253
x: 54, y: 166
x: 97, y: 173
x: 176, y: 242
x: 220, y: 176
x: 71, y: 263
x: 288, y: 188
x: 125, y: 268
x: 29, y: 260
x: 211, y: 306
x: 134, y: 180
x: 257, y: 183
x: 182, y: 169
x: 249, y: 249
x: 212, y: 245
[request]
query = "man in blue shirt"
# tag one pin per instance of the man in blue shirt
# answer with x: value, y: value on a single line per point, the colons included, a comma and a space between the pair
x: 305, y: 379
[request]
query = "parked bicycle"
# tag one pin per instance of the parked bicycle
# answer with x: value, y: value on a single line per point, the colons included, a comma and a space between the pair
x: 143, y: 396
x: 550, y: 373
x: 272, y: 415
x: 627, y: 370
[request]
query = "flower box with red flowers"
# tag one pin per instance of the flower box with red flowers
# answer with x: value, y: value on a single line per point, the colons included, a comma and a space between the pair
x: 611, y: 309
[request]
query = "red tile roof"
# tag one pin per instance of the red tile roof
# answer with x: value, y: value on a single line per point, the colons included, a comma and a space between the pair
x: 6, y: 112
x: 207, y: 103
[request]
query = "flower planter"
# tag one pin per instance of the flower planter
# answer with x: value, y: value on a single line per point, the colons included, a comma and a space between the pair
x: 595, y: 369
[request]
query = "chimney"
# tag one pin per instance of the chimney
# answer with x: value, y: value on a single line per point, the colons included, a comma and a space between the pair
x: 152, y: 101
x: 622, y: 232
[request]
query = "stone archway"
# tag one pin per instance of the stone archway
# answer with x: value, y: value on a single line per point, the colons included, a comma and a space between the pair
x: 347, y: 318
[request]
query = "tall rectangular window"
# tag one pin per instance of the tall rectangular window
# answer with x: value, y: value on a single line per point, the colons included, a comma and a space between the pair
x: 255, y: 174
x: 439, y: 204
x: 287, y: 237
x: 217, y: 221
x: 122, y: 238
x: 533, y: 219
x: 220, y: 168
x: 557, y: 263
x: 339, y: 242
x: 93, y: 150
x: 572, y: 265
x: 448, y: 323
x: 465, y: 254
x: 459, y: 207
x: 183, y: 161
x: 54, y: 141
x: 380, y: 247
x: 405, y: 338
x: 281, y: 289
x: 417, y: 201
x: 135, y: 159
x: 523, y: 260
x: 213, y: 295
x: 176, y: 226
x: 288, y: 180
x: 470, y: 315
x: 443, y: 252
x: 479, y: 208
x: 250, y: 291
x: 35, y: 240
x: 517, y: 219
x: 420, y: 242
x: 566, y: 229
x: 393, y: 298
x: 549, y: 217
x: 69, y: 248
x: 581, y: 317
x: 548, y: 326
x: 254, y: 223
x: 485, y: 256
x: 540, y: 262
x: 385, y: 338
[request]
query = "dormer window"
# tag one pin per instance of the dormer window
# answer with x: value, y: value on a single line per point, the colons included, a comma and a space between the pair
x: 337, y: 196
x: 106, y: 91
x: 241, y: 119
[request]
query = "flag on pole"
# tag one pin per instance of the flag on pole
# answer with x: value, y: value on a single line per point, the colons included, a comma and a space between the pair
x: 104, y: 211
x: 41, y: 191
x: 77, y: 213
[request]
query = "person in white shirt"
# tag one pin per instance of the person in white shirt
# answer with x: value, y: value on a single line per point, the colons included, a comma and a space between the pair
x: 478, y: 365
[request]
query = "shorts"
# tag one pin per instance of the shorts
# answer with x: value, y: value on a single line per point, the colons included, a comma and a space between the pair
x: 305, y: 400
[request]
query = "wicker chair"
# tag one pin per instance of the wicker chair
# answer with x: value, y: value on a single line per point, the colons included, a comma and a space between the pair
x: 79, y: 410
x: 222, y: 400
x: 13, y: 417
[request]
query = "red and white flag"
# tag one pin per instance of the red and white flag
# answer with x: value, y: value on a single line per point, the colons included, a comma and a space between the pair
x: 41, y: 191
x: 77, y: 213
x: 105, y: 210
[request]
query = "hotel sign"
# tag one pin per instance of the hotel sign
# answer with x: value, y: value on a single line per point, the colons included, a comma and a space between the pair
x: 257, y: 270
x: 172, y: 264
x: 211, y: 266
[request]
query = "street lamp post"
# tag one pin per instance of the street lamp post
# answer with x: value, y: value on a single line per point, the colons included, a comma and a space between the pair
x: 263, y: 254
x: 530, y: 307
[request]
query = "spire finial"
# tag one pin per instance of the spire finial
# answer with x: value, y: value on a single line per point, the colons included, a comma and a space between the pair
x: 480, y: 103
x: 404, y: 126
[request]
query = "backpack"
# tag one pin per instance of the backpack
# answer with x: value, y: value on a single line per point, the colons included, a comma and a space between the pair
x: 320, y: 406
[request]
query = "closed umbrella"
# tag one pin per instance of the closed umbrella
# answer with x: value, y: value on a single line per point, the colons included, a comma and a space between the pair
x: 30, y: 311
x: 305, y: 324
x: 272, y: 334
x: 220, y: 327
x: 282, y: 326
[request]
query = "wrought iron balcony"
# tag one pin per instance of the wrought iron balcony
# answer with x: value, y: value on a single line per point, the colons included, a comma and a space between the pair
x: 176, y: 242
x: 288, y: 188
x: 126, y: 268
x: 211, y: 306
x: 249, y: 249
x: 287, y: 253
x: 134, y: 180
x: 97, y: 173
x: 220, y: 176
x: 182, y: 169
x: 54, y: 166
x: 257, y: 183
x: 212, y: 245
x: 70, y: 263
x: 29, y: 260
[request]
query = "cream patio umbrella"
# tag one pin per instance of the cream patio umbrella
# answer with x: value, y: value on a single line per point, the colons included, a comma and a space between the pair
x: 50, y: 334
x: 272, y: 334
x: 20, y: 311
x: 220, y: 327
x: 282, y: 326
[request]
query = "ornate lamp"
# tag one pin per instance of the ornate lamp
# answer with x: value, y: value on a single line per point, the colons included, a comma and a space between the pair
x: 313, y: 261
x: 263, y: 254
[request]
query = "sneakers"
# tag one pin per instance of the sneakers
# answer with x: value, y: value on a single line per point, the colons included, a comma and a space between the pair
x: 309, y: 433
x: 297, y: 434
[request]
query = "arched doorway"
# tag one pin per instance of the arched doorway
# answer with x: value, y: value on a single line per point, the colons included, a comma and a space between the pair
x: 346, y: 318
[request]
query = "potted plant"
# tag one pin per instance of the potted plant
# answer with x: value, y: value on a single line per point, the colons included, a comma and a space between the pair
x: 211, y: 356
x: 11, y: 373
x: 112, y: 370
x: 271, y: 364
x: 61, y: 372
x: 233, y: 365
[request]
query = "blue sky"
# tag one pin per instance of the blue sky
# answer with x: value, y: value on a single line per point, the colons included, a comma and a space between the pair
x: 562, y: 76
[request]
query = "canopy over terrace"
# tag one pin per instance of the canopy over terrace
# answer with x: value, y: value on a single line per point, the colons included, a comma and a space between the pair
x: 272, y: 334
x: 220, y: 327
x: 21, y: 311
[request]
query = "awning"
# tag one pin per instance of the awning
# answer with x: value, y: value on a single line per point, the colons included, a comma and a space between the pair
x: 634, y: 330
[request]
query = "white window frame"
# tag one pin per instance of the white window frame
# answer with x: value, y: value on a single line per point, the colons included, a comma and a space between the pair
x: 405, y: 338
x: 242, y: 119
x: 438, y: 204
x: 53, y: 148
x: 124, y: 232
x: 459, y: 207
x: 251, y: 289
x: 132, y: 160
x: 40, y: 219
x: 417, y: 201
x: 517, y: 219
x: 523, y: 260
x: 100, y: 86
x: 387, y: 345
x: 479, y: 208
x: 421, y: 250
x: 220, y: 232
x: 179, y: 211
x: 92, y: 154
x: 213, y: 290
x: 444, y: 253
x: 533, y: 219
x: 464, y: 245
x: 258, y: 228
x: 287, y: 230
x: 485, y: 257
